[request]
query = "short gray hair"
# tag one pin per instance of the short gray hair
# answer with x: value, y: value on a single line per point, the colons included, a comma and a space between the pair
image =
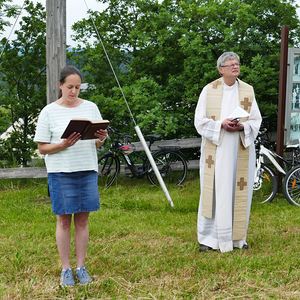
x: 226, y: 56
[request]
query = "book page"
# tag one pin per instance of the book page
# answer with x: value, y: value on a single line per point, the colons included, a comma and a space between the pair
x: 238, y: 113
x: 75, y: 126
x: 90, y: 130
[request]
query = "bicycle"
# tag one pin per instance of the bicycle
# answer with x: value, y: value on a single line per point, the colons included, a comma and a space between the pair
x: 170, y: 161
x: 265, y: 180
x: 291, y: 186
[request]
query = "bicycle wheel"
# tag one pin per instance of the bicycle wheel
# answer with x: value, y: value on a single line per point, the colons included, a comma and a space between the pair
x: 296, y: 156
x: 109, y: 168
x: 291, y: 186
x: 171, y: 165
x: 265, y: 185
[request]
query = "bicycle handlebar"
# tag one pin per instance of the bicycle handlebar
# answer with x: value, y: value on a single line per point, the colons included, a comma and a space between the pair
x: 262, y: 131
x: 151, y: 138
x: 127, y: 137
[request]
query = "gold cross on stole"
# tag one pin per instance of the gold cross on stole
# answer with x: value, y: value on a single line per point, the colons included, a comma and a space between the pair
x: 242, y: 183
x: 209, y: 161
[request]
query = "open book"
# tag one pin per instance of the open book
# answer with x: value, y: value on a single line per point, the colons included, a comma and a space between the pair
x: 238, y: 113
x: 86, y: 128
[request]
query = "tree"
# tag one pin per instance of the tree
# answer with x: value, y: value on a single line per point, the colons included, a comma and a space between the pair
x: 173, y: 46
x: 4, y: 119
x: 23, y: 82
x: 6, y: 10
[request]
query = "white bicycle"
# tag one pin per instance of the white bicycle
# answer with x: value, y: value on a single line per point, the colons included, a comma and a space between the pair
x: 266, y: 179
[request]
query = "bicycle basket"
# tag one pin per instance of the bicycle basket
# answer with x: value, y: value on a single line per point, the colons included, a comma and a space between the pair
x: 126, y: 149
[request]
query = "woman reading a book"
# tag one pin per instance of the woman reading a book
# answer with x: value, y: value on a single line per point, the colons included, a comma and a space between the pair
x: 72, y: 168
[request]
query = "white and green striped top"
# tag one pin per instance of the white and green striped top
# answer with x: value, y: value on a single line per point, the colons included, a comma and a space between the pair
x: 51, y: 124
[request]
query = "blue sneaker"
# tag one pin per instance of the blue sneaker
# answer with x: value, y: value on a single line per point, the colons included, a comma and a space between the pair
x: 83, y: 276
x: 66, y: 278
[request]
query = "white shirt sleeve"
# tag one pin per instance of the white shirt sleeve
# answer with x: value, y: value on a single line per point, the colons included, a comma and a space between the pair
x: 98, y: 115
x: 42, y: 133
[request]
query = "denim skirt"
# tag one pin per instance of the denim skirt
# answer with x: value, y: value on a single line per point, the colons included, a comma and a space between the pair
x: 74, y: 192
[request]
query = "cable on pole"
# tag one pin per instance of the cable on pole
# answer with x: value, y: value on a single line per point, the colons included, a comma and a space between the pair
x: 111, y: 66
x: 12, y: 30
x: 136, y: 127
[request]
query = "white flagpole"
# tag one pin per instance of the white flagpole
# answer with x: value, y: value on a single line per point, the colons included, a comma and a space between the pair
x: 152, y: 162
x: 137, y: 129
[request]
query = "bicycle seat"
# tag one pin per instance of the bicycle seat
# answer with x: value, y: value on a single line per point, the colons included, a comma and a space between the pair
x: 126, y: 149
x: 295, y: 146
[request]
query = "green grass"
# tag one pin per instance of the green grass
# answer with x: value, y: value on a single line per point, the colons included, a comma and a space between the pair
x: 141, y: 248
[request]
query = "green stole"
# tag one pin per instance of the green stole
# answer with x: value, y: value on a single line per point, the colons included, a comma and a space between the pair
x: 213, y: 110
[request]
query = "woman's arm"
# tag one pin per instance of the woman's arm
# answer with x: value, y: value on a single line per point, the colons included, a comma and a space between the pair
x: 47, y: 148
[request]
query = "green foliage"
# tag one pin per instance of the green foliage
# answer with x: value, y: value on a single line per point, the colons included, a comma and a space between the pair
x: 23, y: 83
x: 260, y: 73
x: 7, y: 9
x: 163, y: 52
x: 17, y: 150
x: 4, y: 119
x: 175, y: 45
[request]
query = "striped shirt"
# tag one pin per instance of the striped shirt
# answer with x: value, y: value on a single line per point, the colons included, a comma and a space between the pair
x: 51, y: 124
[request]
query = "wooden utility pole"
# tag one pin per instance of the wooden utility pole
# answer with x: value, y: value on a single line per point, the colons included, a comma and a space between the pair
x: 282, y: 94
x: 56, y: 45
x: 282, y: 90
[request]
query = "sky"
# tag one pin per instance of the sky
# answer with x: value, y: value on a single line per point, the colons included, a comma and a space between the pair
x: 76, y: 10
x: 298, y: 10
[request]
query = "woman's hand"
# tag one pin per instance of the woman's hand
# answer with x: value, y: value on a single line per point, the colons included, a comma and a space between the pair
x: 71, y: 140
x: 101, y: 135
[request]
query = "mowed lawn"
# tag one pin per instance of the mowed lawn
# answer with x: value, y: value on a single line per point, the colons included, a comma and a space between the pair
x: 141, y: 248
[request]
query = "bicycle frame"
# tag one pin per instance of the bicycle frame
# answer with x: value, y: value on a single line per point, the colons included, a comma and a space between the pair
x: 263, y: 151
x: 266, y: 181
x: 132, y: 167
x: 135, y: 170
x: 168, y: 158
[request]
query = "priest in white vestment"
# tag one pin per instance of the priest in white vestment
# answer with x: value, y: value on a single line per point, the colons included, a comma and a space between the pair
x: 228, y: 119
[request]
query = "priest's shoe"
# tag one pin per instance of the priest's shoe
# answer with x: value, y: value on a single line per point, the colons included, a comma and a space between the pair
x: 203, y: 248
x: 245, y: 247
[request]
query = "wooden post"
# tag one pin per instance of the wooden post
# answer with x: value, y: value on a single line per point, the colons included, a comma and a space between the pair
x: 56, y: 45
x: 282, y: 89
x: 282, y: 93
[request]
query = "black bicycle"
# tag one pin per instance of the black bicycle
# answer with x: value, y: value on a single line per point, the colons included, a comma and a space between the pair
x: 169, y: 160
x: 291, y: 186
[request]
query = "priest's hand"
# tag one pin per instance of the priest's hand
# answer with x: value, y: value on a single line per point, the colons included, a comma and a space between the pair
x: 232, y: 125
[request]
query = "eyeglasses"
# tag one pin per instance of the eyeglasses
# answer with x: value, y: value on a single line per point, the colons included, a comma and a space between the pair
x: 232, y: 65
